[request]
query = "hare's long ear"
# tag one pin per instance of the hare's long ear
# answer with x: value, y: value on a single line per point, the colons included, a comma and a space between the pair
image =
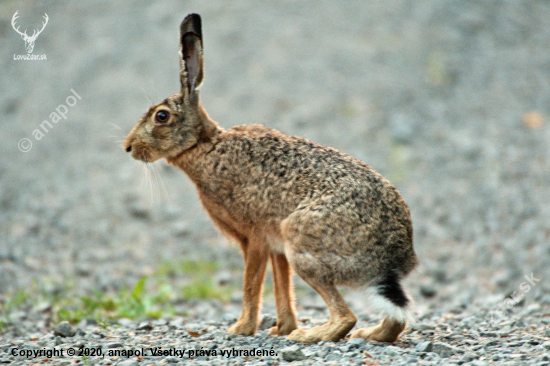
x: 191, y: 57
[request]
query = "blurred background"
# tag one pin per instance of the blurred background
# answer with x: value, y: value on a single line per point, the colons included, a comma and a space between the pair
x: 449, y: 100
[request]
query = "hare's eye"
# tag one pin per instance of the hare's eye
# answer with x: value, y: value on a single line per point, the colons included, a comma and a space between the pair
x: 162, y: 116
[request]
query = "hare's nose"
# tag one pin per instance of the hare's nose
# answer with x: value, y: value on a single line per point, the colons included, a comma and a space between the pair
x: 129, y: 148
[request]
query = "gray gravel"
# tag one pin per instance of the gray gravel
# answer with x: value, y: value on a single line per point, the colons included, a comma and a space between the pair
x: 181, y: 341
x: 448, y: 99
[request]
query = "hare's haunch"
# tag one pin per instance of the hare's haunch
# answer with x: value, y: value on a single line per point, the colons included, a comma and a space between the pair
x: 315, y: 210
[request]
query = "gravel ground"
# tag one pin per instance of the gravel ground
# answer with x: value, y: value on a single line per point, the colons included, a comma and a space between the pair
x: 449, y: 100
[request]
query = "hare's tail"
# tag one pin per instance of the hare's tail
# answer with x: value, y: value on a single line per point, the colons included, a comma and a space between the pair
x: 387, y: 296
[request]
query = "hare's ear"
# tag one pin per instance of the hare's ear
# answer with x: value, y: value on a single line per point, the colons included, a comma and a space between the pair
x: 191, y: 57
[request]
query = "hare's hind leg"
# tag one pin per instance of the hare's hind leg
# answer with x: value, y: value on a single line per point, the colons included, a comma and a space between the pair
x: 341, y: 318
x: 387, y: 331
x: 305, y: 249
x: 255, y: 257
x: 389, y: 298
x: 284, y: 296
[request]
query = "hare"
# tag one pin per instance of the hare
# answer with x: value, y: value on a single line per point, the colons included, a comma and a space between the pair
x: 310, y: 209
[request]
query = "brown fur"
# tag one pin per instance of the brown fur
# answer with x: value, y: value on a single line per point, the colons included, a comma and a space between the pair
x: 314, y: 209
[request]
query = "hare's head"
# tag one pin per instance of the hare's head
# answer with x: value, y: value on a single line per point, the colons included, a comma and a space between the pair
x: 179, y: 122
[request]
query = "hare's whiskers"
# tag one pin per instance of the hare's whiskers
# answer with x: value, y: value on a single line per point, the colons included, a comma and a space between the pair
x: 117, y: 126
x: 147, y: 95
x: 160, y: 184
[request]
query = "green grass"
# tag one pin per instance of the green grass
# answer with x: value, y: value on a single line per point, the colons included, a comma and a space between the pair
x: 172, y: 269
x: 132, y: 303
x: 203, y: 287
x: 139, y: 301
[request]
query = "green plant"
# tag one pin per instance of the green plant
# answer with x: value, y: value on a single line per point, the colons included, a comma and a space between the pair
x: 131, y: 304
x: 203, y: 287
x: 199, y: 266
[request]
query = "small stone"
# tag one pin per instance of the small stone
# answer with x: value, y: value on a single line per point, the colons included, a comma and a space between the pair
x: 159, y: 322
x: 479, y: 363
x: 64, y: 329
x: 17, y: 316
x: 144, y: 326
x: 172, y: 359
x: 131, y: 362
x: 391, y: 351
x: 292, y: 353
x: 224, y: 278
x: 423, y: 326
x: 424, y: 346
x: 58, y: 341
x: 125, y: 322
x: 267, y: 322
x: 467, y: 358
x: 488, y: 334
x: 43, y: 307
x: 237, y: 297
x: 229, y: 318
x: 181, y: 229
x: 83, y: 269
x: 115, y: 345
x: 91, y: 321
x: 546, y: 345
x: 443, y: 349
x: 356, y: 342
x: 139, y: 211
x: 428, y: 291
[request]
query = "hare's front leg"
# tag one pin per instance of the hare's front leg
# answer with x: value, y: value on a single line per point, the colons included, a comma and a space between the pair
x: 284, y: 296
x: 255, y: 258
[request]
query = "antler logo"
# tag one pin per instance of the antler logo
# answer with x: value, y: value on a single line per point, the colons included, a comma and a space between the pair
x: 29, y: 40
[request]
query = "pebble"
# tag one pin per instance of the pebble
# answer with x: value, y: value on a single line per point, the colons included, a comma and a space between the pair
x: 267, y: 322
x: 64, y: 329
x: 356, y: 342
x: 115, y: 345
x: 292, y: 353
x: 144, y: 326
x: 424, y: 346
x: 428, y: 291
x: 180, y: 229
x: 443, y: 349
x: 130, y: 363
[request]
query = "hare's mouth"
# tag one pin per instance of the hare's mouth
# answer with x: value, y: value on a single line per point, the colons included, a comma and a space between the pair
x: 142, y: 153
x: 145, y: 156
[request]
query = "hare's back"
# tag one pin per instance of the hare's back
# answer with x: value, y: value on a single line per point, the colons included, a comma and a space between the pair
x: 289, y: 169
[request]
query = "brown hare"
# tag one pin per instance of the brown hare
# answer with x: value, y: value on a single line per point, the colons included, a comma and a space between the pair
x: 310, y: 209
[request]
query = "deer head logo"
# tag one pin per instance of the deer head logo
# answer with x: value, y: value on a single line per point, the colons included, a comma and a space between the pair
x: 29, y: 40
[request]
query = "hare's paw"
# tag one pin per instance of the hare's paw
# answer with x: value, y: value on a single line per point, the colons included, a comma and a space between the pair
x: 312, y: 335
x: 304, y: 336
x: 285, y: 327
x: 323, y: 333
x: 387, y: 331
x: 242, y: 328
